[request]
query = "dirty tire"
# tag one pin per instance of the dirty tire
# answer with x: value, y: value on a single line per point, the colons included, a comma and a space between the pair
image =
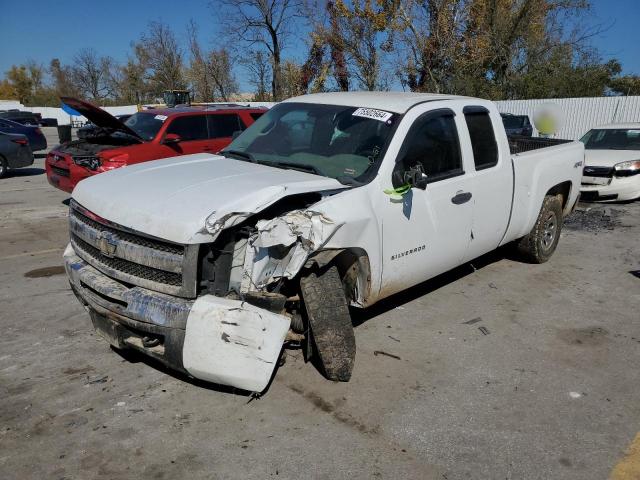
x: 541, y: 242
x: 330, y: 323
x: 3, y: 167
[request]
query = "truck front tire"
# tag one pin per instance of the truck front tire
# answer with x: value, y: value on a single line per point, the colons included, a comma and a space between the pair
x: 329, y: 322
x: 541, y: 242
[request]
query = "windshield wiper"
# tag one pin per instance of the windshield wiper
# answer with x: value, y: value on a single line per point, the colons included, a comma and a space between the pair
x: 303, y: 167
x: 238, y: 155
x: 346, y: 180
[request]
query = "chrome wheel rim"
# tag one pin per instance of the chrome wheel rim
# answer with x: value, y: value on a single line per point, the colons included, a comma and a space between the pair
x: 549, y: 230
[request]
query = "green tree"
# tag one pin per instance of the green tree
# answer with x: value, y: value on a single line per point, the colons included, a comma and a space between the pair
x: 20, y: 81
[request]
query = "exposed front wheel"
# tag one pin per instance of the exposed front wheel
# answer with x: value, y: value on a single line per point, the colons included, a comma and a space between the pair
x: 541, y: 242
x: 329, y: 322
x: 3, y: 167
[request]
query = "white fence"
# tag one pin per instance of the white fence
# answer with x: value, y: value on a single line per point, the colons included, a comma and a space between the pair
x: 580, y: 114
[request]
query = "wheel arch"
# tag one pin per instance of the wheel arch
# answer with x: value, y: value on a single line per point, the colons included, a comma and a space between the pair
x: 564, y: 189
x: 354, y: 269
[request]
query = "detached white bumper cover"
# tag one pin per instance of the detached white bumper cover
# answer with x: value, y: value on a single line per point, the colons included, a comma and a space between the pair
x: 233, y: 343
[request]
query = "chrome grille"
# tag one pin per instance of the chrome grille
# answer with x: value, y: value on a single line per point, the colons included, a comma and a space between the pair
x: 606, y: 172
x: 130, y: 257
x: 129, y: 268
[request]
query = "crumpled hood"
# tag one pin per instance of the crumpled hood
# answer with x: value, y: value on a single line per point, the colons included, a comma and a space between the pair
x: 608, y: 158
x: 172, y: 198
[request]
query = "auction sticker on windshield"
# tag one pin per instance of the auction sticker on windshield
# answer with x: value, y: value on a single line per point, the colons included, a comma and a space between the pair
x: 379, y: 115
x: 162, y: 118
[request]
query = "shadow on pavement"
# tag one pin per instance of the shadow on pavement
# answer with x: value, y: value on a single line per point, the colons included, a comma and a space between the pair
x: 133, y: 356
x: 25, y: 172
x: 359, y: 316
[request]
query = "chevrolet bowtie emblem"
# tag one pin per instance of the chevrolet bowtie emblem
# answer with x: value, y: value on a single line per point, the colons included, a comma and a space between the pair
x: 107, y: 244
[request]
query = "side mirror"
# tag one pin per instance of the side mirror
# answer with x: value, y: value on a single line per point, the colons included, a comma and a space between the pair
x: 236, y: 134
x: 171, y: 139
x: 416, y: 177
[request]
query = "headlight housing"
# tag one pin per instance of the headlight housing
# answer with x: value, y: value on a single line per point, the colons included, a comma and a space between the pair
x: 116, y: 161
x: 626, y: 169
x: 91, y: 162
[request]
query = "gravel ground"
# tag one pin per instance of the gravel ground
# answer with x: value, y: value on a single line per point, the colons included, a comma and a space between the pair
x: 498, y: 369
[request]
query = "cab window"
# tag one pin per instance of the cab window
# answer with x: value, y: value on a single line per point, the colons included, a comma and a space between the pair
x: 224, y: 125
x: 192, y: 127
x: 433, y: 143
x: 483, y: 139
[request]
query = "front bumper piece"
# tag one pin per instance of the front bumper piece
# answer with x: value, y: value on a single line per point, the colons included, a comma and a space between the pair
x: 224, y: 341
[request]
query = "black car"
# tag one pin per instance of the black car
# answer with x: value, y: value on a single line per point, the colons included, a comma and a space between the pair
x: 25, y: 118
x: 517, y: 124
x: 37, y: 140
x: 87, y: 129
x: 14, y: 152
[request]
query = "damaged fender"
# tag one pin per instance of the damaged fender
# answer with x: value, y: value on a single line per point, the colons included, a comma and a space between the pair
x: 267, y: 259
x: 231, y: 342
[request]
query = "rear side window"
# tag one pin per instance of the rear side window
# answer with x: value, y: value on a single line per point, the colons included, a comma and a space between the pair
x: 433, y: 142
x: 224, y: 125
x: 483, y: 139
x: 192, y: 127
x: 256, y: 115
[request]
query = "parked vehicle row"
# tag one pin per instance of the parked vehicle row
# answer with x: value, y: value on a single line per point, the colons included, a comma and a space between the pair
x: 25, y: 118
x: 612, y: 163
x: 212, y: 263
x: 37, y: 140
x: 612, y: 160
x: 146, y: 135
x: 14, y: 152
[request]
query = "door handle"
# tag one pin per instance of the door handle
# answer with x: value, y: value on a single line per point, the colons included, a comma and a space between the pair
x: 461, y: 197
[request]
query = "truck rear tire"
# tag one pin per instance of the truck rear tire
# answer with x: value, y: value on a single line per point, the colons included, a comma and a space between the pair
x: 329, y: 323
x: 541, y: 242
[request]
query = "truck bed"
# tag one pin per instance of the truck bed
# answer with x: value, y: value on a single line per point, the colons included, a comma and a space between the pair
x: 521, y: 144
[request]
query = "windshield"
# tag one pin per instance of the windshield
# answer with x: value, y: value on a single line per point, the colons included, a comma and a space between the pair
x: 334, y: 141
x: 145, y: 124
x: 513, y: 121
x: 612, y: 139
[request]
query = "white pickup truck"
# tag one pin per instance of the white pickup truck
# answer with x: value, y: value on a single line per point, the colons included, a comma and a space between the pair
x: 212, y: 264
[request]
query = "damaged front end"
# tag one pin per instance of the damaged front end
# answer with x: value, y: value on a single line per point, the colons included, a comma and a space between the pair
x: 228, y: 326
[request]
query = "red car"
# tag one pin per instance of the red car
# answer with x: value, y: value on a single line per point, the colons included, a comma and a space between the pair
x: 146, y: 135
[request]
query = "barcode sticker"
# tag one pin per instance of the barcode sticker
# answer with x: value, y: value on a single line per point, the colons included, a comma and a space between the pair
x: 372, y: 113
x: 162, y: 118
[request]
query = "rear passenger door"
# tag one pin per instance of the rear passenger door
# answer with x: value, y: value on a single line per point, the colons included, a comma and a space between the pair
x: 222, y: 127
x: 491, y: 180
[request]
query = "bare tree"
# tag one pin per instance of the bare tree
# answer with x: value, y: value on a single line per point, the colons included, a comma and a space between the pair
x: 159, y: 52
x: 210, y: 73
x: 257, y: 64
x: 221, y: 70
x: 36, y: 73
x: 90, y: 74
x: 198, y: 72
x: 266, y: 23
x: 61, y: 76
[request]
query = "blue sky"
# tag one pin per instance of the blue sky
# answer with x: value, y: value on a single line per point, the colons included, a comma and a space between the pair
x: 44, y: 29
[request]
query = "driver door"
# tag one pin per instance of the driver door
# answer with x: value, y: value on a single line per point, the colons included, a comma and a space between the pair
x: 428, y: 231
